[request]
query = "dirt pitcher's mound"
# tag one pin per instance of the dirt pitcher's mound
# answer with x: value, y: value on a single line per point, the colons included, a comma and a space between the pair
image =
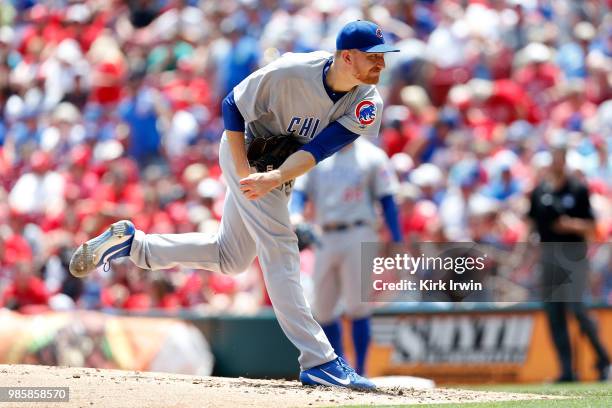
x: 97, y: 388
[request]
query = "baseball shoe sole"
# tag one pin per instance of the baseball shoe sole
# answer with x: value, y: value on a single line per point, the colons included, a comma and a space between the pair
x: 113, y: 243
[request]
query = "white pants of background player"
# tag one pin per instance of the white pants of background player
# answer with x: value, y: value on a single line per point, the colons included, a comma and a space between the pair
x: 337, y: 274
x: 248, y: 228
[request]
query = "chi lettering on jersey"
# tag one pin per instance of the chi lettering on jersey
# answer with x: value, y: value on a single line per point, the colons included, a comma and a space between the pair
x: 305, y: 127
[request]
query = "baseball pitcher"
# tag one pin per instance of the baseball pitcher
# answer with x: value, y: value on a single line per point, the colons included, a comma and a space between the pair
x: 279, y: 123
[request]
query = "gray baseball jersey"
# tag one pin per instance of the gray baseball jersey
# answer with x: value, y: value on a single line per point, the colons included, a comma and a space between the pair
x: 345, y: 187
x: 287, y: 97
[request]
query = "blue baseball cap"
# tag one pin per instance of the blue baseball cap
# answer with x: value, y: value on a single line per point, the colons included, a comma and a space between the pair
x: 364, y: 36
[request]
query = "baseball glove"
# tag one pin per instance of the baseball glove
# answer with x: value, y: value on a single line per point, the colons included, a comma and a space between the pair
x: 268, y: 153
x: 305, y: 235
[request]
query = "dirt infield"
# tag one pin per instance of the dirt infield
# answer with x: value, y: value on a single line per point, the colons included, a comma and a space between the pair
x: 126, y: 389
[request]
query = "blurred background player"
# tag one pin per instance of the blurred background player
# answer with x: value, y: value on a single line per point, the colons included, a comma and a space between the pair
x: 344, y: 190
x: 563, y: 217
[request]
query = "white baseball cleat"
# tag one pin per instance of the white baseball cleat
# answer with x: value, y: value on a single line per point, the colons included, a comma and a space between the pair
x: 115, y: 242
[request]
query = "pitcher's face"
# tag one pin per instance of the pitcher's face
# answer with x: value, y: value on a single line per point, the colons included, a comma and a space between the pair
x: 367, y: 66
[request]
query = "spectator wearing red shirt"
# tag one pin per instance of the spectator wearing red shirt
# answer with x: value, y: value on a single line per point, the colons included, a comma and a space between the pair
x: 156, y: 294
x: 108, y: 78
x: 152, y: 217
x: 163, y: 295
x: 26, y: 289
x: 79, y: 174
x: 598, y: 83
x: 539, y: 75
x: 187, y: 89
x: 117, y: 196
x: 14, y: 247
x: 43, y: 28
x: 84, y: 24
x: 407, y: 122
x: 191, y: 292
x: 574, y: 109
x: 494, y: 103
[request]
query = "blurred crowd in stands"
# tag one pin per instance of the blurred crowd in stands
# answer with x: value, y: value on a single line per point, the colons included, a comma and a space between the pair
x: 111, y: 110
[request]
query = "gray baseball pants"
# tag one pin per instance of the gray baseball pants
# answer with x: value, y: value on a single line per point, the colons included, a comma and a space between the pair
x: 248, y: 228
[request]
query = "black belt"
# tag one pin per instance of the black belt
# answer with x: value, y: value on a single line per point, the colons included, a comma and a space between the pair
x: 343, y: 227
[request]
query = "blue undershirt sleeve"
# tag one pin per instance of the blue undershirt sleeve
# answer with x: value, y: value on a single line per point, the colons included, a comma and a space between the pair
x: 232, y: 118
x: 331, y: 139
x: 391, y: 217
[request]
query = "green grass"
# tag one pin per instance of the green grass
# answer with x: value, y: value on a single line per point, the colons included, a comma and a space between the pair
x: 583, y: 395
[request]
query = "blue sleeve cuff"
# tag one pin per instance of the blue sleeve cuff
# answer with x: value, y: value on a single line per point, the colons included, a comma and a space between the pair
x: 331, y: 139
x: 298, y: 202
x: 232, y: 118
x: 391, y: 217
